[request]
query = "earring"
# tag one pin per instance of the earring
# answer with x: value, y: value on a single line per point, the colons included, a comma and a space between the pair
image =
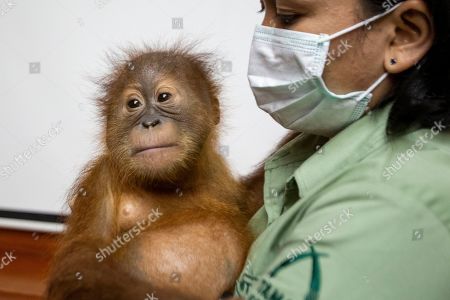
x: 393, y: 61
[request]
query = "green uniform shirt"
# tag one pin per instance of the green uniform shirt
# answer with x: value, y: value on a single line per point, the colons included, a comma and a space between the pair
x: 362, y: 217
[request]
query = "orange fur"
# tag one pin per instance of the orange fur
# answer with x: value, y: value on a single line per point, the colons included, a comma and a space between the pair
x: 201, y: 236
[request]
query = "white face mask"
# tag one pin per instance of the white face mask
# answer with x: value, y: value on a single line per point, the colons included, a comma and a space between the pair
x: 285, y: 74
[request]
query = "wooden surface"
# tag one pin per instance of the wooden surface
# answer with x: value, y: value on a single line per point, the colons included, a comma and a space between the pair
x: 25, y: 277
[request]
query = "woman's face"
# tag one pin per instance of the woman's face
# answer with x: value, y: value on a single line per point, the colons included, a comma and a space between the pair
x: 357, y: 59
x: 353, y: 60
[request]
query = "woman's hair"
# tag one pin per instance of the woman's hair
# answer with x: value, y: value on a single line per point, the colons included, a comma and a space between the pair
x: 422, y: 95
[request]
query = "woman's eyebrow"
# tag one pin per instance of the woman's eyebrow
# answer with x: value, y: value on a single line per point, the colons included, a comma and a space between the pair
x: 297, y: 2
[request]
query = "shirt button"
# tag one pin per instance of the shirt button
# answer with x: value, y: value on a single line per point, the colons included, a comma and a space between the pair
x: 274, y: 193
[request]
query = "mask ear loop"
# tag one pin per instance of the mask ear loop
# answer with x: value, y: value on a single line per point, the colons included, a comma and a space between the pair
x: 358, y: 25
x: 361, y: 106
x: 373, y: 87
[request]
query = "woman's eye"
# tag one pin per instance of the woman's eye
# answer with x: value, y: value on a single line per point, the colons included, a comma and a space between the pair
x: 163, y: 97
x: 288, y: 19
x: 134, y: 103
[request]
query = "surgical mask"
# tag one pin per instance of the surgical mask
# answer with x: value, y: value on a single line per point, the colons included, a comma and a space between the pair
x: 285, y: 75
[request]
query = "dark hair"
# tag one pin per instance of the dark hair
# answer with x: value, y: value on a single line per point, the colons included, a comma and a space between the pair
x: 422, y: 95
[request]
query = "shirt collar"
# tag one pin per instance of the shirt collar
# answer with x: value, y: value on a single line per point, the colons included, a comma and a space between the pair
x: 317, y: 158
x: 348, y: 147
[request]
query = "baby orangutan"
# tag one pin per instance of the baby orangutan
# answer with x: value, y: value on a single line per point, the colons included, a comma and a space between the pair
x: 157, y: 213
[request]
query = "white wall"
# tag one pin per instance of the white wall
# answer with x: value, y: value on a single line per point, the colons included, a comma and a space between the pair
x: 48, y: 49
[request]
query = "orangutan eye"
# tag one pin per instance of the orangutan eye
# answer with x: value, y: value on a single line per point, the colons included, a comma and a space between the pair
x: 163, y: 97
x: 134, y: 103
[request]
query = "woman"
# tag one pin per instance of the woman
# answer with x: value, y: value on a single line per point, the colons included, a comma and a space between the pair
x: 358, y: 205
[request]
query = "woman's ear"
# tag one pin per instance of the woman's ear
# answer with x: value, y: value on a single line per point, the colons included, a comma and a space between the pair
x: 412, y: 36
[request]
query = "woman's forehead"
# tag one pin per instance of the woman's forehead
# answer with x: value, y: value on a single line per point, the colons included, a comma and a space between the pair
x: 307, y: 2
